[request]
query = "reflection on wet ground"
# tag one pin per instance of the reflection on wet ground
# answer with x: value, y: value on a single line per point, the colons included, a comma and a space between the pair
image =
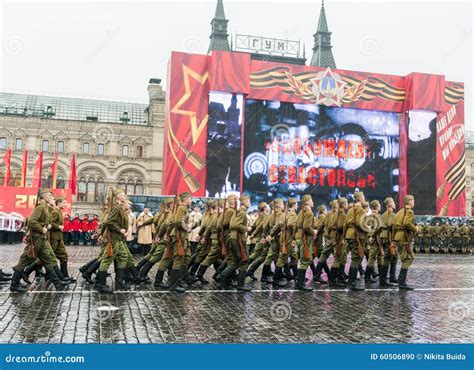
x: 441, y: 309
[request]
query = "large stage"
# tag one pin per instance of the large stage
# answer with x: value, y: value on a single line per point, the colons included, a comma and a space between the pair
x: 239, y: 125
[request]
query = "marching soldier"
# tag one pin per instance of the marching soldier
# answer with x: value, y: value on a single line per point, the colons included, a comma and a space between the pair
x: 287, y: 230
x: 318, y: 244
x: 273, y: 237
x: 447, y: 232
x: 204, y: 244
x: 38, y: 246
x: 325, y: 225
x: 374, y: 244
x: 57, y: 242
x: 465, y: 232
x: 419, y: 236
x: 214, y: 257
x: 390, y: 254
x: 336, y: 275
x: 238, y: 253
x: 456, y: 233
x: 355, y: 237
x: 304, y: 240
x: 404, y: 228
x: 257, y: 232
x: 437, y: 237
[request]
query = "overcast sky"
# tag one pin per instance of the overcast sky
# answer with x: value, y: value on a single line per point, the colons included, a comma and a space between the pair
x: 109, y: 50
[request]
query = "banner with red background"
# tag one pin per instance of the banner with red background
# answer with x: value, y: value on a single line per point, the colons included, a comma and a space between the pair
x: 192, y: 77
x: 23, y: 200
x: 450, y: 155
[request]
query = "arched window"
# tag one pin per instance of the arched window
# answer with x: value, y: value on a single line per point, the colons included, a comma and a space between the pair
x: 81, y: 190
x: 15, y: 180
x: 18, y: 144
x: 121, y: 184
x: 139, y: 151
x: 45, y: 146
x: 100, y: 190
x: 91, y: 190
x: 85, y: 148
x: 60, y: 146
x: 3, y: 143
x: 125, y: 151
x: 100, y: 149
x: 130, y: 187
x: 60, y: 182
x: 139, y: 187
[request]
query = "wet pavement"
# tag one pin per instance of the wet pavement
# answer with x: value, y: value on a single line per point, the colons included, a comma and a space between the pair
x: 440, y: 310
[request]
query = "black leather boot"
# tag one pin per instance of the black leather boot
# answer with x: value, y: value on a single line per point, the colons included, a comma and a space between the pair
x: 288, y: 272
x: 87, y: 274
x: 175, y: 277
x: 241, y: 282
x: 393, y: 271
x: 141, y: 263
x: 159, y: 280
x: 135, y: 276
x: 65, y: 272
x: 383, y: 277
x: 143, y: 273
x: 402, y: 280
x: 200, y: 274
x: 221, y: 268
x: 101, y: 283
x: 361, y: 272
x: 368, y: 275
x: 278, y: 276
x: 193, y: 269
x: 352, y: 279
x: 300, y: 285
x: 225, y: 274
x: 341, y: 276
x: 28, y: 270
x: 265, y: 272
x: 59, y: 284
x: 120, y: 283
x: 269, y: 274
x: 60, y: 275
x: 16, y: 285
x: 86, y: 266
x: 317, y: 273
x: 252, y: 268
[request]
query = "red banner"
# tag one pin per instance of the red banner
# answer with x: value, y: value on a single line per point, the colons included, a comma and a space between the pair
x: 24, y: 168
x: 72, y: 175
x: 53, y: 170
x: 23, y: 200
x: 451, y: 162
x: 38, y: 171
x: 186, y: 125
x: 7, y: 162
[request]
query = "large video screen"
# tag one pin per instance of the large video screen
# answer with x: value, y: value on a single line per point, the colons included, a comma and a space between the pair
x: 422, y: 163
x: 292, y: 149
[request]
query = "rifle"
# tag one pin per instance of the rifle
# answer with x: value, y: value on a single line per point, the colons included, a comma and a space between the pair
x: 243, y: 252
x: 360, y: 250
x: 391, y: 245
x: 169, y: 229
x: 221, y: 234
x: 284, y: 249
x: 180, y: 248
x: 338, y: 240
x: 306, y: 253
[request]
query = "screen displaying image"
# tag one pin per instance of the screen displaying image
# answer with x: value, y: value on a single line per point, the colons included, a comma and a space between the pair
x: 292, y: 149
x: 224, y: 144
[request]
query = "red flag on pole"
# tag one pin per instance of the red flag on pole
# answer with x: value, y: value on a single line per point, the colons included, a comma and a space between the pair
x: 72, y: 175
x: 38, y: 172
x: 7, y: 158
x: 53, y: 170
x: 24, y: 168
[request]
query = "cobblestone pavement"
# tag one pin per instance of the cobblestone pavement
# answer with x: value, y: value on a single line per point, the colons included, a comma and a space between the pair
x: 441, y: 309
